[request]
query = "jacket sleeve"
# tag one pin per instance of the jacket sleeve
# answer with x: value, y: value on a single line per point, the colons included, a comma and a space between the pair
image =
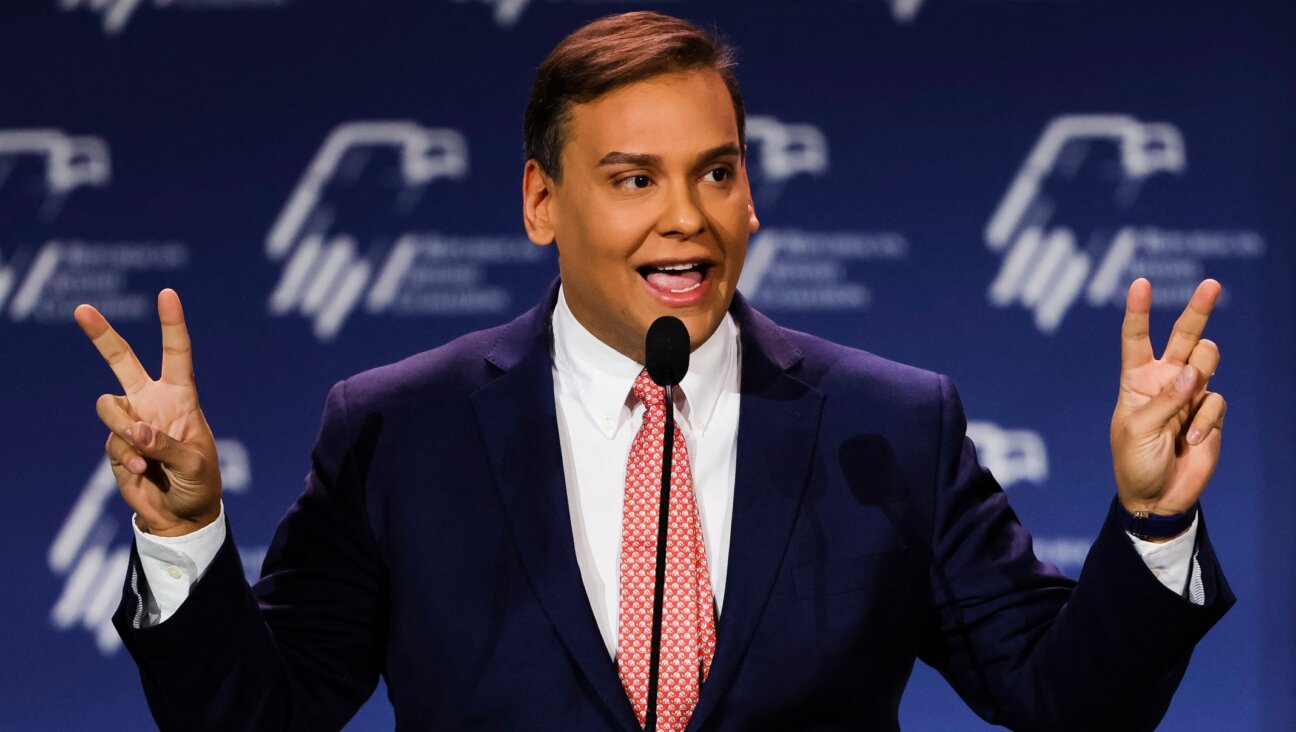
x: 1031, y: 650
x: 302, y: 650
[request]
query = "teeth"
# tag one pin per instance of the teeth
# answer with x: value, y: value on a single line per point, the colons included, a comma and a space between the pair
x: 690, y: 288
x: 676, y: 267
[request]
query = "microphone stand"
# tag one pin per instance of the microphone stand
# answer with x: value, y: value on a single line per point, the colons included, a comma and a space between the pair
x: 659, y: 583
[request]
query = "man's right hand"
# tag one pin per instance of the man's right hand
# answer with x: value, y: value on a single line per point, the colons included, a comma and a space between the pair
x: 161, y: 449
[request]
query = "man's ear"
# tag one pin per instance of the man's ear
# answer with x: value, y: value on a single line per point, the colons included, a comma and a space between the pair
x: 537, y: 203
x: 753, y: 223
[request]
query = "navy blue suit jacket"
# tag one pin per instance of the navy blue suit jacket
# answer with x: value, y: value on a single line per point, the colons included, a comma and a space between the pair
x: 433, y: 545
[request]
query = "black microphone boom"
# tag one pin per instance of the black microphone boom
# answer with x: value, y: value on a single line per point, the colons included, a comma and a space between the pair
x: 666, y: 351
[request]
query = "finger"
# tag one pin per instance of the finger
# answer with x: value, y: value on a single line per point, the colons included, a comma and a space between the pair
x: 1158, y: 412
x: 1205, y: 358
x: 121, y: 453
x: 114, y: 411
x: 154, y: 444
x: 177, y: 360
x: 1209, y: 416
x: 1136, y: 344
x: 114, y: 349
x: 1188, y: 328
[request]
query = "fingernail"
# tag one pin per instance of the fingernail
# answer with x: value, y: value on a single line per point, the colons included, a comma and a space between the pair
x: 138, y: 465
x: 128, y: 434
x: 1194, y: 436
x: 1186, y: 377
x: 145, y: 435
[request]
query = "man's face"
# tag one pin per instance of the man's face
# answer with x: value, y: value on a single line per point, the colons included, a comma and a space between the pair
x: 654, y: 209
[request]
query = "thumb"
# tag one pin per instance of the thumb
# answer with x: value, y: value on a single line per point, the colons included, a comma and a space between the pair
x: 155, y: 444
x: 1174, y: 396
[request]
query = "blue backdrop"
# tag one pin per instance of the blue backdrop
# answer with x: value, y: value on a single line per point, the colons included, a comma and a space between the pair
x: 965, y: 185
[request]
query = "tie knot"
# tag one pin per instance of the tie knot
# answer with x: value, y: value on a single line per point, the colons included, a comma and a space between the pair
x: 648, y: 392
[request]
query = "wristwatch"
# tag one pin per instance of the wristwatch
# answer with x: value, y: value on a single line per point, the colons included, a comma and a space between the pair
x: 1153, y: 525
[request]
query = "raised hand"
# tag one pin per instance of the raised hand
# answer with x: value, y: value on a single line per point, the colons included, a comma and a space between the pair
x: 1165, y: 432
x: 161, y: 449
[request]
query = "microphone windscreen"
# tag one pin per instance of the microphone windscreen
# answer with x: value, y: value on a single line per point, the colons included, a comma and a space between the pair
x: 666, y: 351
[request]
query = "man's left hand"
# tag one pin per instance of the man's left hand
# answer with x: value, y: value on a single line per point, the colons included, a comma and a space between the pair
x: 1165, y: 432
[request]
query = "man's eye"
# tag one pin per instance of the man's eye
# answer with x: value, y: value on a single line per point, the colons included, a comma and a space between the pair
x: 635, y: 182
x: 719, y: 175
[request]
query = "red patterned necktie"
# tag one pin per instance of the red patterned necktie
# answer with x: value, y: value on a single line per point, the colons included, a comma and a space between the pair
x: 688, y: 624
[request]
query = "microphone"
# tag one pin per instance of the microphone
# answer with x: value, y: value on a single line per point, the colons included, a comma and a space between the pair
x: 666, y: 356
x: 666, y: 351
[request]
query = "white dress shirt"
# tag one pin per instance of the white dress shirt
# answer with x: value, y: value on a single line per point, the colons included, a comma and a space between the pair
x: 597, y: 421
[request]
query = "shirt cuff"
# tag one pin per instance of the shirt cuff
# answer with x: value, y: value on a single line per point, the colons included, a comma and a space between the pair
x: 1174, y: 562
x: 172, y: 564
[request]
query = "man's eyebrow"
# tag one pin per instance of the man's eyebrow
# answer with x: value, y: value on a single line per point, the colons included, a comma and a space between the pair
x: 719, y: 151
x: 647, y: 160
x: 643, y: 160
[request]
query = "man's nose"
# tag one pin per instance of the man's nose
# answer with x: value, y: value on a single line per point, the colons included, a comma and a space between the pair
x: 682, y: 217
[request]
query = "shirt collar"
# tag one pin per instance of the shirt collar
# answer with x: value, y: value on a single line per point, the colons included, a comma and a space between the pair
x: 599, y: 377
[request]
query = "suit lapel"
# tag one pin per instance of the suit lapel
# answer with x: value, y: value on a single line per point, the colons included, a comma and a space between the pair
x: 778, y: 425
x: 515, y: 413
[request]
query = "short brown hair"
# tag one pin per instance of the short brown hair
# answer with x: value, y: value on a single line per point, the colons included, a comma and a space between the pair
x: 610, y: 53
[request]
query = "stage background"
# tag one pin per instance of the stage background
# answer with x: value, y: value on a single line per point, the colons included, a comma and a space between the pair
x: 966, y: 186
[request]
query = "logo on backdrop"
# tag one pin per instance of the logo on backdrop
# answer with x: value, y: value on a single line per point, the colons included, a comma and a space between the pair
x: 799, y: 269
x: 1014, y: 456
x: 45, y: 275
x: 379, y: 257
x: 114, y: 15
x: 91, y: 550
x: 1098, y: 164
x: 780, y: 152
x: 68, y: 162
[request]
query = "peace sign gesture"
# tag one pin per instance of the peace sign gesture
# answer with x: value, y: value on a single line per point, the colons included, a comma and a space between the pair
x: 161, y: 450
x: 1165, y: 432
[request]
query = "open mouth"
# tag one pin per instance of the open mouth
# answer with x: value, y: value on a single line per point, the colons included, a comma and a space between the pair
x: 675, y: 278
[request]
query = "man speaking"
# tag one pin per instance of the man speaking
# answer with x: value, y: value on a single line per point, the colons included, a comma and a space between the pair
x: 482, y: 524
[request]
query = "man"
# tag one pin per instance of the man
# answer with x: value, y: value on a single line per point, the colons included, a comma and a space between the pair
x: 477, y: 524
